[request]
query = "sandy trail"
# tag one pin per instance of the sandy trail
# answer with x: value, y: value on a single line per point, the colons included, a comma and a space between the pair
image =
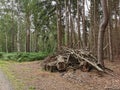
x: 4, y: 82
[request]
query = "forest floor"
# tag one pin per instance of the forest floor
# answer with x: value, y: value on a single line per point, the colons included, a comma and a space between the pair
x: 30, y: 76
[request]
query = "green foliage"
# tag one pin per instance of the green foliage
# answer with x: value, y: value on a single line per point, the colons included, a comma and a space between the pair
x: 42, y: 16
x: 22, y: 56
x: 30, y: 56
x: 1, y: 54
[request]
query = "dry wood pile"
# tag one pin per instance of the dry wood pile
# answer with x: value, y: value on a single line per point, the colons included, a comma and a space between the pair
x: 71, y: 58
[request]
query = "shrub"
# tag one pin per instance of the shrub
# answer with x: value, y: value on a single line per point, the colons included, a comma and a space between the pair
x: 22, y: 56
x: 1, y: 55
x: 30, y: 56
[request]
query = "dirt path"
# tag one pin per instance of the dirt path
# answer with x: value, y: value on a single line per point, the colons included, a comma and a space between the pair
x: 30, y: 76
x: 4, y: 82
x: 34, y: 78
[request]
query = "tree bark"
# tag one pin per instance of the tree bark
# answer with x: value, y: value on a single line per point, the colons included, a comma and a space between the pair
x: 12, y: 31
x: 83, y: 25
x: 36, y: 41
x: 96, y: 24
x: 67, y: 22
x: 18, y: 38
x: 6, y: 42
x: 103, y: 26
x: 18, y: 29
x: 110, y: 31
x: 78, y: 23
x: 91, y: 31
x: 59, y: 31
x: 27, y: 33
x: 72, y: 32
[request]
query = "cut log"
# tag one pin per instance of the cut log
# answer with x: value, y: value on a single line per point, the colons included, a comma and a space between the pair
x: 51, y: 67
x: 61, y: 64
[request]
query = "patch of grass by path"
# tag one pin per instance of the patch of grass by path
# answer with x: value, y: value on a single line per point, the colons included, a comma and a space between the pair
x: 5, y: 67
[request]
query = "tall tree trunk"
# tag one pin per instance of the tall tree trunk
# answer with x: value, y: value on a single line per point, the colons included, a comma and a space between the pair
x: 103, y: 26
x: 12, y: 39
x: 67, y: 22
x: 71, y: 25
x: 27, y: 33
x: 96, y: 16
x: 59, y: 31
x: 18, y: 38
x: 18, y: 29
x: 6, y: 42
x: 110, y: 32
x: 72, y: 32
x: 78, y: 23
x: 116, y: 28
x: 91, y: 31
x: 12, y: 31
x: 110, y: 43
x: 36, y: 41
x: 83, y: 25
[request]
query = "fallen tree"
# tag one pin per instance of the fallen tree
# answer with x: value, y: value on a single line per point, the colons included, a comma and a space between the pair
x: 71, y: 58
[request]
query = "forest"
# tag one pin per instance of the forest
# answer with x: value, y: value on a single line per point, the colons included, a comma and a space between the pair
x: 61, y: 34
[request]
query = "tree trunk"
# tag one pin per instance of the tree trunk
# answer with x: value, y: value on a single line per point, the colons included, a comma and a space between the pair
x: 27, y: 34
x: 96, y: 17
x: 67, y: 22
x: 83, y: 25
x: 12, y: 31
x: 103, y: 26
x: 18, y: 38
x: 6, y: 40
x: 110, y: 32
x: 12, y: 39
x: 78, y: 23
x: 36, y: 41
x: 110, y: 43
x: 71, y: 25
x: 72, y: 32
x: 59, y: 31
x: 18, y: 30
x: 91, y: 31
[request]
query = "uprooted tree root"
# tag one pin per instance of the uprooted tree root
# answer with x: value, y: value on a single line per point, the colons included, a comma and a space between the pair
x: 69, y: 58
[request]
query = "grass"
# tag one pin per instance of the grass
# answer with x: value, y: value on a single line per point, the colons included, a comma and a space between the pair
x: 5, y: 66
x: 32, y: 88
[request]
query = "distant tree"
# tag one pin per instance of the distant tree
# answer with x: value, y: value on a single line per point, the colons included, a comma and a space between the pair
x: 27, y: 9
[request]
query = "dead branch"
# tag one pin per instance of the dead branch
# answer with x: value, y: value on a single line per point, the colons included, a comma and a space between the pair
x: 78, y: 59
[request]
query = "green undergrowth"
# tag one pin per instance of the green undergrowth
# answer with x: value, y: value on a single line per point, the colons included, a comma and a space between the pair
x: 5, y: 67
x: 22, y: 56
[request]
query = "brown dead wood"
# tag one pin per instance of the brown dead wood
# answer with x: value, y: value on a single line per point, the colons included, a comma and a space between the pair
x: 75, y: 58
